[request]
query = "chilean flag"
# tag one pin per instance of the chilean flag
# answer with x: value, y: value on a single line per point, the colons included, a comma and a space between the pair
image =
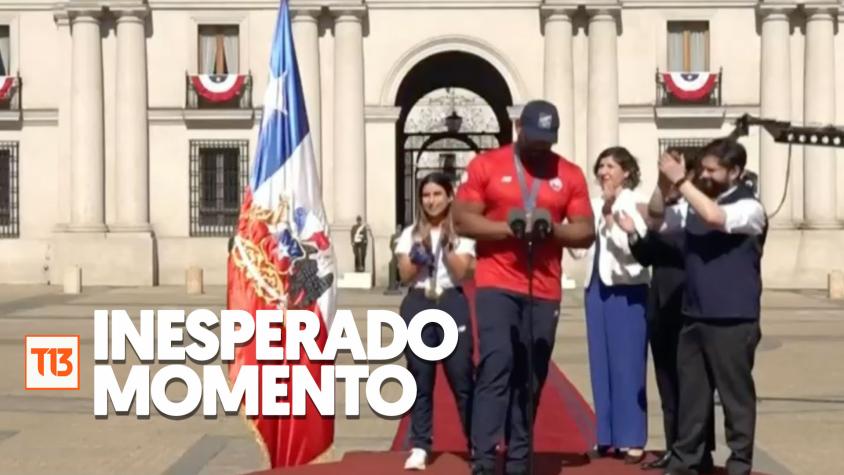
x: 282, y: 257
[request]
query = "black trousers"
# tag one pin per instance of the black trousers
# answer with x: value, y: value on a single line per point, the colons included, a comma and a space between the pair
x: 665, y: 320
x: 716, y: 354
x: 359, y: 249
x: 459, y: 369
x: 501, y: 394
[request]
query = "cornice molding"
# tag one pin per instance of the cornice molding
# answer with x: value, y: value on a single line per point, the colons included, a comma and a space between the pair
x: 378, y: 113
x: 41, y: 5
x: 230, y: 5
x: 451, y: 4
x: 690, y: 4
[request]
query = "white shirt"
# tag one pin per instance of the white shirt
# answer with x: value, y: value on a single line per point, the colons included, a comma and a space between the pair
x: 616, y: 264
x: 746, y: 216
x: 463, y: 245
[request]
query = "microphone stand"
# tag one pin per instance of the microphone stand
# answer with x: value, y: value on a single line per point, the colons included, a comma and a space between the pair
x: 530, y: 230
x: 530, y: 382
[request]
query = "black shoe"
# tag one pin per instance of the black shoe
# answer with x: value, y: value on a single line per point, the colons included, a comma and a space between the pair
x: 661, y: 462
x: 597, y: 452
x: 633, y: 459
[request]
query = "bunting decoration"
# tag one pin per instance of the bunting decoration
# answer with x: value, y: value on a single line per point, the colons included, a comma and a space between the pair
x: 7, y: 85
x: 689, y: 87
x: 218, y: 87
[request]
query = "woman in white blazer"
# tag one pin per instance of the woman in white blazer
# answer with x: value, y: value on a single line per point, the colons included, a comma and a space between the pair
x: 616, y: 291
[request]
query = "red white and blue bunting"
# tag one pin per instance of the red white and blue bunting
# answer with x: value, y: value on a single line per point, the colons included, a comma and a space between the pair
x: 7, y: 85
x: 218, y: 88
x: 689, y: 87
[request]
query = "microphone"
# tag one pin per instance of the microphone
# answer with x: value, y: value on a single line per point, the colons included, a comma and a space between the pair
x: 540, y: 226
x: 517, y: 220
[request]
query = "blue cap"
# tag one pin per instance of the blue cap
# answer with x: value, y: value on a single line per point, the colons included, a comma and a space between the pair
x: 540, y: 121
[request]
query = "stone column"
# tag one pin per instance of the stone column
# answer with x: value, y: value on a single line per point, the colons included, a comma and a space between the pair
x: 87, y: 154
x: 349, y: 168
x: 305, y: 25
x: 602, y: 115
x: 819, y: 177
x: 64, y: 52
x: 559, y: 75
x: 131, y: 135
x: 775, y: 104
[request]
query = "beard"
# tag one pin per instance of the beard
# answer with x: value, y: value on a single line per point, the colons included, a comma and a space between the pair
x: 710, y: 187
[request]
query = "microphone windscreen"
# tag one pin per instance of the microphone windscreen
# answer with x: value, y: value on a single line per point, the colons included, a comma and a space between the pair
x: 517, y: 220
x: 541, y: 215
x: 516, y: 214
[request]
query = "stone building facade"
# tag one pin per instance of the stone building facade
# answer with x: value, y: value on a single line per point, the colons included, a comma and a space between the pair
x: 115, y: 158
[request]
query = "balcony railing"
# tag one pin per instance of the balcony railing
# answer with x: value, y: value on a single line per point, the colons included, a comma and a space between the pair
x: 688, y: 88
x: 218, y: 92
x: 10, y: 96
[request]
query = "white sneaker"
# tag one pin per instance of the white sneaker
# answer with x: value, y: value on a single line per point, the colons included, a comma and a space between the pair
x: 416, y: 460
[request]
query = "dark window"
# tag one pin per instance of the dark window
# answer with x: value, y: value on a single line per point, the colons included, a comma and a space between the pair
x: 9, y: 218
x: 218, y: 174
x: 5, y: 51
x: 688, y: 46
x: 218, y: 49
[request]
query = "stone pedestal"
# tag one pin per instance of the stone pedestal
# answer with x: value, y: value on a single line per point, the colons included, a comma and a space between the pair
x: 801, y: 259
x: 193, y: 281
x: 73, y: 280
x: 355, y: 280
x: 836, y: 285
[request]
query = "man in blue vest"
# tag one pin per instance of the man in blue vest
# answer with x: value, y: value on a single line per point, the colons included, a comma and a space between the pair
x: 664, y: 252
x: 725, y: 228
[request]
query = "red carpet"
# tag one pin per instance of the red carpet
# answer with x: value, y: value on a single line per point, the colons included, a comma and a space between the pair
x: 565, y: 430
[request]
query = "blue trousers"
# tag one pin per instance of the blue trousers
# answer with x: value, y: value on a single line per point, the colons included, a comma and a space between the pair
x: 617, y: 333
x: 459, y: 369
x: 501, y: 393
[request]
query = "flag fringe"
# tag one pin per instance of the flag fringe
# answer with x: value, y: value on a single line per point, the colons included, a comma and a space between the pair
x: 326, y: 457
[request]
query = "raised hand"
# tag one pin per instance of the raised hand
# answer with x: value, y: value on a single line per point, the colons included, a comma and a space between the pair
x: 672, y: 167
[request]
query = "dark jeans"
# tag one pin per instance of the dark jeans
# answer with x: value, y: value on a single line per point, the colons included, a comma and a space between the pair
x: 716, y: 354
x: 458, y: 366
x: 501, y: 386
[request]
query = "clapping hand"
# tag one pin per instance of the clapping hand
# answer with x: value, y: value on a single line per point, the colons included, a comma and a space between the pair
x: 420, y: 256
x: 672, y: 167
x: 625, y: 222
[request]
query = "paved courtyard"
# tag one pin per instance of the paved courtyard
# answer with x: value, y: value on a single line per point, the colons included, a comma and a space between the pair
x: 799, y: 374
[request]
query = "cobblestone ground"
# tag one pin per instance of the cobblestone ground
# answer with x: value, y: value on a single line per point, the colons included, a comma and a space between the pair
x: 799, y: 375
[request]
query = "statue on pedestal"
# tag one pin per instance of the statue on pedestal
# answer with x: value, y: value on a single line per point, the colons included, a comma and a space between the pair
x: 360, y: 240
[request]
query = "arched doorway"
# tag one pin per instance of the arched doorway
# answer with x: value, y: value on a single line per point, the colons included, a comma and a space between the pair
x: 453, y: 105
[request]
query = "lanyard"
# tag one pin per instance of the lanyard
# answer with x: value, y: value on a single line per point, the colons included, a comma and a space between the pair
x: 433, y: 291
x: 528, y: 197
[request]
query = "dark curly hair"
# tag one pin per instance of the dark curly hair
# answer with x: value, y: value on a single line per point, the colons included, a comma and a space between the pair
x: 626, y: 161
